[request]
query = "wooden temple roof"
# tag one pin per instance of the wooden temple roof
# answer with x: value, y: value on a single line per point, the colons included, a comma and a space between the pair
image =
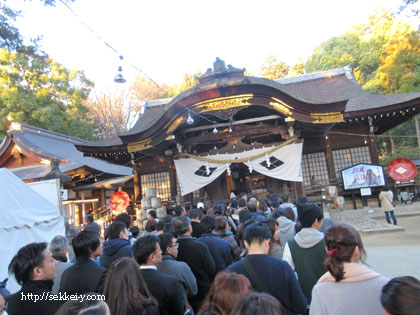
x: 40, y: 144
x: 225, y: 95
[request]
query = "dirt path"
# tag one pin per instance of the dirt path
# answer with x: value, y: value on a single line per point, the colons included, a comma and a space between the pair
x: 395, y: 253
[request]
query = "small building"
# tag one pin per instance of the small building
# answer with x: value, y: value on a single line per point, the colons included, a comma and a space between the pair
x: 234, y: 125
x: 27, y: 151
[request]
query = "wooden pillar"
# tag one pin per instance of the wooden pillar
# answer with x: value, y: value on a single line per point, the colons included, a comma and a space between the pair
x: 372, y: 146
x: 137, y: 184
x: 172, y: 180
x: 83, y: 208
x: 298, y: 189
x: 329, y: 158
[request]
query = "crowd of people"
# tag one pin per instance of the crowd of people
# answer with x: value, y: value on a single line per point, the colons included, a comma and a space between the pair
x: 239, y: 256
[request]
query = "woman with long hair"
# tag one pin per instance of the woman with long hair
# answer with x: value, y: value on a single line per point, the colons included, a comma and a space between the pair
x: 348, y: 287
x: 226, y: 289
x: 125, y: 290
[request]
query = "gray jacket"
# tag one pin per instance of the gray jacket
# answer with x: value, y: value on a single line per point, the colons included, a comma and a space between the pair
x: 179, y: 270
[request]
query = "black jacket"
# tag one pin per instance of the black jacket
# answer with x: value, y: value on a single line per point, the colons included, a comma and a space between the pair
x: 198, y: 257
x: 167, y: 290
x: 83, y: 277
x: 34, y: 298
x: 113, y: 249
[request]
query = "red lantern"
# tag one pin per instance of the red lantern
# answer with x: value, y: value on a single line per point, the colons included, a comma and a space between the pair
x: 119, y: 201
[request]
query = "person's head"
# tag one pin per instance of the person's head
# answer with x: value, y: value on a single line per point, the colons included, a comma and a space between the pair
x: 242, y: 195
x: 302, y: 199
x: 147, y: 250
x: 160, y: 226
x: 257, y: 234
x: 221, y: 223
x: 401, y: 296
x: 3, y: 289
x: 208, y: 224
x: 288, y: 213
x: 263, y: 205
x: 86, y: 244
x: 310, y: 215
x: 89, y: 218
x: 33, y: 262
x: 252, y: 206
x: 179, y: 211
x: 241, y: 203
x: 59, y: 245
x: 258, y: 303
x: 226, y: 289
x: 195, y: 215
x: 244, y: 215
x: 285, y: 198
x: 273, y: 226
x: 134, y: 231
x: 168, y: 244
x: 151, y: 215
x: 124, y: 218
x: 276, y: 214
x: 167, y: 218
x: 150, y: 225
x: 117, y: 230
x: 182, y: 226
x: 219, y: 209
x: 343, y: 245
x: 187, y: 206
x: 86, y: 304
x: 125, y: 290
x: 2, y: 304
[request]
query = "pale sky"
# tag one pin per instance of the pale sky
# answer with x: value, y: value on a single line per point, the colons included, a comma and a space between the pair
x: 168, y: 38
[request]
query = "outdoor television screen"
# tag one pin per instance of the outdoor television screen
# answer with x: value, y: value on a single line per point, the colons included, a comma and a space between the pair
x: 363, y: 176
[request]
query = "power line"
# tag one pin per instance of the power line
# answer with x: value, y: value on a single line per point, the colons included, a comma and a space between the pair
x: 128, y: 62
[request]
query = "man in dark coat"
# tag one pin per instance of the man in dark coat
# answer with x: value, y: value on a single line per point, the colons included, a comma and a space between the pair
x: 218, y: 247
x: 166, y: 289
x: 34, y: 268
x: 268, y: 274
x: 85, y: 275
x: 197, y: 256
x: 117, y: 245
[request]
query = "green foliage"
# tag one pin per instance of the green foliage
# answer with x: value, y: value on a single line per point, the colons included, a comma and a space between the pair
x: 408, y: 152
x: 188, y: 81
x: 273, y: 68
x: 38, y: 91
x: 384, y: 55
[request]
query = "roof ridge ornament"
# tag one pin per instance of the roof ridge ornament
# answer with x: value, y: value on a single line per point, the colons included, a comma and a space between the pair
x: 221, y: 70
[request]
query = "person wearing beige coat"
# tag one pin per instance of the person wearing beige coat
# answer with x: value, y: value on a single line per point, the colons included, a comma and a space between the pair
x: 385, y: 197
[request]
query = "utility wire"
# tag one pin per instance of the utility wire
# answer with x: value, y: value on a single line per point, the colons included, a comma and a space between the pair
x: 128, y: 62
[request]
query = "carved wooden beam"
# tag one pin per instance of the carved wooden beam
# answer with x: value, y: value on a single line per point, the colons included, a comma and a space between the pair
x: 237, y: 133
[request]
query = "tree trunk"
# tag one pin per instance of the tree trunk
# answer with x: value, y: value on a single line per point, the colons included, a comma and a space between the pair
x: 392, y: 144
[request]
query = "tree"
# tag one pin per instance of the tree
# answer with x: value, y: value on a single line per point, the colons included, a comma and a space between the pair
x: 188, y: 81
x: 384, y: 54
x: 143, y: 89
x: 273, y: 68
x: 36, y: 90
x: 112, y: 112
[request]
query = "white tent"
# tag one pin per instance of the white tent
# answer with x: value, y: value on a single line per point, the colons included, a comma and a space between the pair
x: 25, y: 217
